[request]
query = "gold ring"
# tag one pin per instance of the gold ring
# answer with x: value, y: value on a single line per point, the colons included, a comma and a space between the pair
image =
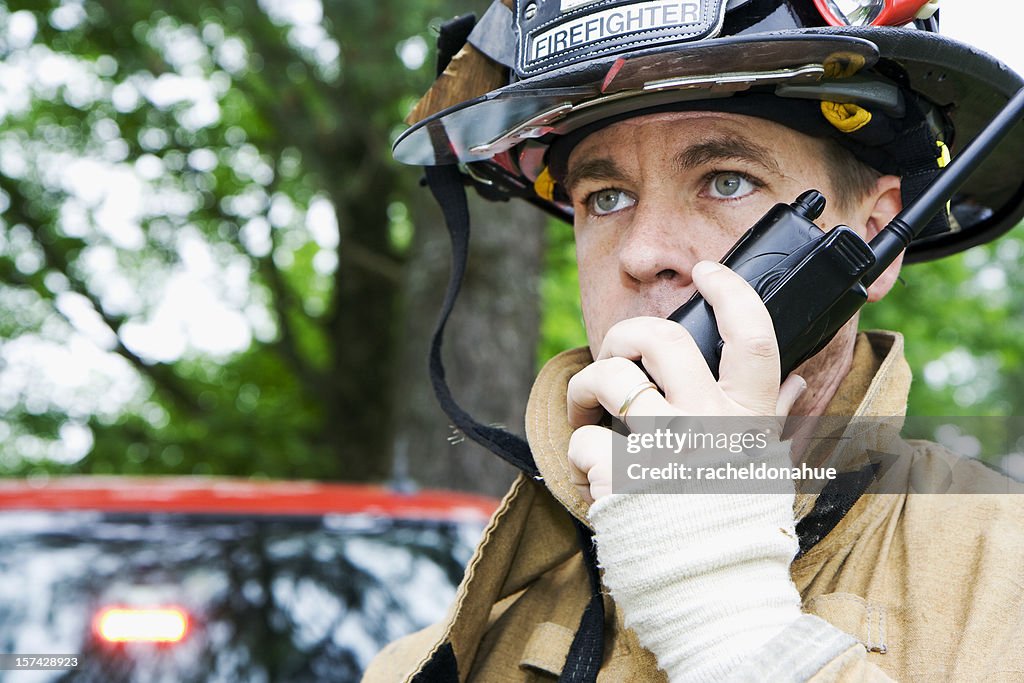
x: 631, y: 396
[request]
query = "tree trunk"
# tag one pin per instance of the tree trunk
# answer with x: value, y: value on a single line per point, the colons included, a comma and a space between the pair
x: 490, y: 342
x: 357, y: 401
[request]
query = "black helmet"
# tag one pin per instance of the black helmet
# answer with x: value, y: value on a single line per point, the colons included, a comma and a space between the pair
x: 538, y: 75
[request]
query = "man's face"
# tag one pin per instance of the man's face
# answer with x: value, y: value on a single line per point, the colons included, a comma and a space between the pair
x: 656, y: 194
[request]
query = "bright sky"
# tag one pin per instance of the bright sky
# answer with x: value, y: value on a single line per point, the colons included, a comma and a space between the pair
x: 991, y: 25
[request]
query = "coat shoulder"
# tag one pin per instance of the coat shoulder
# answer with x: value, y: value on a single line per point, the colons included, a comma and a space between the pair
x: 402, y: 659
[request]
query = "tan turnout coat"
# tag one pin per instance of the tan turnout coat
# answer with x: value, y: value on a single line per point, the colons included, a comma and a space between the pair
x: 930, y: 586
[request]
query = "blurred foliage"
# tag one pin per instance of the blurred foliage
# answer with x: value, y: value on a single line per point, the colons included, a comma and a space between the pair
x: 961, y: 317
x: 562, y: 317
x: 244, y: 145
x: 247, y: 144
x: 964, y: 329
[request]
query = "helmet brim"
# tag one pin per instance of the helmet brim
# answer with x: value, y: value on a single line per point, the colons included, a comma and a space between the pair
x: 967, y: 85
x: 456, y: 134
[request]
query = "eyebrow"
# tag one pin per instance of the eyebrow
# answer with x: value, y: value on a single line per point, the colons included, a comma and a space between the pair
x: 732, y: 147
x: 705, y: 152
x: 593, y: 169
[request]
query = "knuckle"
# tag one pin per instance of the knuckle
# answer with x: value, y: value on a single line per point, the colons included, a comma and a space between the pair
x: 761, y: 346
x: 588, y: 445
x: 620, y: 368
x: 591, y: 434
x: 673, y: 333
x: 575, y: 448
x: 633, y: 326
x: 582, y: 382
x: 620, y: 329
x: 572, y: 388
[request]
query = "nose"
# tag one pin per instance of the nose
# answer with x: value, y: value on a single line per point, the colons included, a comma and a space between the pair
x: 658, y: 248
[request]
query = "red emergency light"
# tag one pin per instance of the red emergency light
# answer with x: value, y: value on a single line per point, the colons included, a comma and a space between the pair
x: 141, y: 625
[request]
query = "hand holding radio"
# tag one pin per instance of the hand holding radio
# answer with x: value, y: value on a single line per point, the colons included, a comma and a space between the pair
x: 614, y: 383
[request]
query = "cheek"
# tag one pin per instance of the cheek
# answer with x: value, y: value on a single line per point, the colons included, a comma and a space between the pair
x: 723, y: 226
x: 598, y: 277
x: 600, y: 313
x: 832, y: 217
x: 595, y: 249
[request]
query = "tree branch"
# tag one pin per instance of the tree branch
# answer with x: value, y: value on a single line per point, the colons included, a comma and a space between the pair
x: 161, y: 375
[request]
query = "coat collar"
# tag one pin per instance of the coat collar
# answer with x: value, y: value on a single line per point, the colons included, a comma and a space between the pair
x: 877, y: 385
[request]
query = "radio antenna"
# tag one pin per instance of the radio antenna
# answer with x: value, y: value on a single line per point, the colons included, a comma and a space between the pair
x: 894, y: 238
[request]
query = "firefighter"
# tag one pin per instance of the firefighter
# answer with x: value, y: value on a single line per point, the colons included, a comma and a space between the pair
x: 663, y: 130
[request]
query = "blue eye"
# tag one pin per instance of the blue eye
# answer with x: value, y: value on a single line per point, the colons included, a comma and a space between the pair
x: 730, y: 185
x: 609, y: 201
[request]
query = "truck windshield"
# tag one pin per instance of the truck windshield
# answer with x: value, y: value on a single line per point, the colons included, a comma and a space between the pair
x: 267, y: 598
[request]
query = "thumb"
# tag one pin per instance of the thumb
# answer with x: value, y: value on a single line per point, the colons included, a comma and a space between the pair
x: 790, y: 391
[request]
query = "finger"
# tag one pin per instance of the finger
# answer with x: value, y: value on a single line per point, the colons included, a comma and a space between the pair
x: 667, y: 351
x: 605, y: 385
x: 790, y: 391
x: 749, y: 371
x: 590, y: 461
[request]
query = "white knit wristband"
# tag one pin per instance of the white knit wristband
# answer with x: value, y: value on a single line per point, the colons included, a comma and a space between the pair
x: 702, y: 578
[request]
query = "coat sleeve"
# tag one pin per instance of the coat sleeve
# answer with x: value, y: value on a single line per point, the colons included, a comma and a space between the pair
x: 812, y: 650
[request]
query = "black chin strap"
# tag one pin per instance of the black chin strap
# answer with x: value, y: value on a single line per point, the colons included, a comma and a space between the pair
x: 447, y: 186
x: 445, y: 183
x: 587, y: 650
x: 586, y: 653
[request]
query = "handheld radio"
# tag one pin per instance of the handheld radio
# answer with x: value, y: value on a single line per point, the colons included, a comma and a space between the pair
x: 812, y: 282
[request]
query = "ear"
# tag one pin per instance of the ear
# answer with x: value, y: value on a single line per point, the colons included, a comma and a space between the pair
x: 881, y: 206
